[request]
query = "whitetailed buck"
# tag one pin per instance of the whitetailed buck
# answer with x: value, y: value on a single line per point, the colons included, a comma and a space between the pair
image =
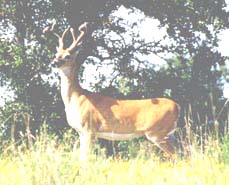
x: 94, y: 115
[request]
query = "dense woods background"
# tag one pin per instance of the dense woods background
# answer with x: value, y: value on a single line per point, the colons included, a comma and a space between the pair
x: 188, y: 67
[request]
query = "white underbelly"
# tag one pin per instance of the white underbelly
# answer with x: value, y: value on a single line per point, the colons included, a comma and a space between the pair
x: 115, y: 136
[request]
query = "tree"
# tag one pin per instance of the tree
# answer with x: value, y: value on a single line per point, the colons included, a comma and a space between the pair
x: 24, y: 59
x: 192, y: 76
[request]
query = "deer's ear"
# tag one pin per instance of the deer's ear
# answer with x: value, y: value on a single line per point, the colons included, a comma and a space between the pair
x: 57, y: 48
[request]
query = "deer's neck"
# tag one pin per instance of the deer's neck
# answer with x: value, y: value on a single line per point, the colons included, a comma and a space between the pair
x: 70, y: 86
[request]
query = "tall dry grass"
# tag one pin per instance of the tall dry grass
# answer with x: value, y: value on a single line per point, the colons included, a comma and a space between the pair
x: 50, y: 160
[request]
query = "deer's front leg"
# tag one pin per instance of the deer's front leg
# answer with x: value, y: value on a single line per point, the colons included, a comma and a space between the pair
x: 86, y: 141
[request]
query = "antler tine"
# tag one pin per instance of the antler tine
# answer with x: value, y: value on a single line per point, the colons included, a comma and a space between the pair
x: 77, y: 40
x: 60, y: 38
x: 64, y: 33
x: 73, y: 34
x: 51, y: 29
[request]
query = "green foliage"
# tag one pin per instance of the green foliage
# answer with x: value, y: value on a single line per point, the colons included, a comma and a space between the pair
x: 193, y: 77
x: 225, y: 149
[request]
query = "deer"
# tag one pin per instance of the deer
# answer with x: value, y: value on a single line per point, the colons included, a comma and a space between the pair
x: 94, y: 115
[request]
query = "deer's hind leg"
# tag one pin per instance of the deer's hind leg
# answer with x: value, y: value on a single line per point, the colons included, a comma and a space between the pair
x: 165, y: 143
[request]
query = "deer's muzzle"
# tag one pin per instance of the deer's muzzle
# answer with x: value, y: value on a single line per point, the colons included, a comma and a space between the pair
x: 57, y: 63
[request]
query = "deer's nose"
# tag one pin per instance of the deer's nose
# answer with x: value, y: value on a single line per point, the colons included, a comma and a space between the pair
x: 57, y: 63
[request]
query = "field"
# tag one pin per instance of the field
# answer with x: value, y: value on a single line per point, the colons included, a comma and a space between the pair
x: 49, y: 161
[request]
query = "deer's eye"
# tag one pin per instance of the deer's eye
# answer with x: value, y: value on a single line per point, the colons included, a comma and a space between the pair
x: 67, y: 57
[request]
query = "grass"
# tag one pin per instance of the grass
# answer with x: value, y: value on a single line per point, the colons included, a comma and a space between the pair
x: 50, y: 162
x: 61, y: 168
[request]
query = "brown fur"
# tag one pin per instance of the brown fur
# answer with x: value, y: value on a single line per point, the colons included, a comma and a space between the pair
x: 94, y: 115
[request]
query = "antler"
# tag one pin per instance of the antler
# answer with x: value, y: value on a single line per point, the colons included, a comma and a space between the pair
x: 60, y: 38
x: 78, y: 40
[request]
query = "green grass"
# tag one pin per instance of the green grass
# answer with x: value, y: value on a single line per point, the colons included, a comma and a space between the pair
x: 51, y: 162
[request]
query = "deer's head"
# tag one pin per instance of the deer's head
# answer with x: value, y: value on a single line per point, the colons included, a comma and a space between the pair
x: 65, y: 58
